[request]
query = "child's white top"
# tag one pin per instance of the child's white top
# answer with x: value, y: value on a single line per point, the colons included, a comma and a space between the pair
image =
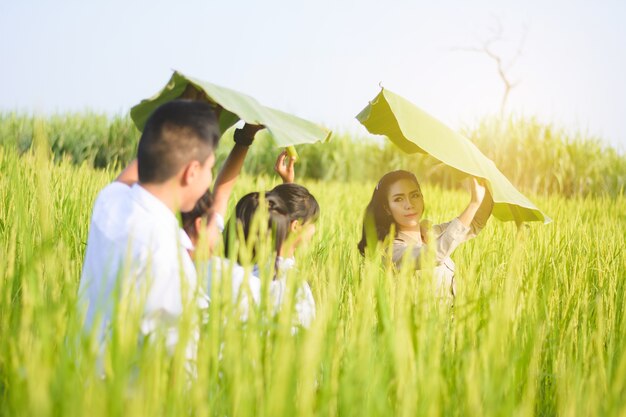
x: 136, y: 236
x: 246, y: 287
x: 304, y: 303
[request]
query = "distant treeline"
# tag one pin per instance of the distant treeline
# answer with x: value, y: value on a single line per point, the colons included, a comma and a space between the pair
x: 536, y: 157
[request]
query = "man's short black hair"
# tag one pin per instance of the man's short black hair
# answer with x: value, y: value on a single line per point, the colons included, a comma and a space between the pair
x: 176, y: 133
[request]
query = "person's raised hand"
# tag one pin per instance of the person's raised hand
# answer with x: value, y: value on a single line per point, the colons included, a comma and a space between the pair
x: 245, y: 135
x: 285, y: 167
x: 477, y: 190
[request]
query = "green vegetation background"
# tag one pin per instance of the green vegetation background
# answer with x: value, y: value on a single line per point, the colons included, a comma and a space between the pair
x: 538, y: 326
x: 538, y: 158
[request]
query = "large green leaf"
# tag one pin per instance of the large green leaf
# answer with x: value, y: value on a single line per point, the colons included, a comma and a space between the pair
x: 285, y: 129
x: 413, y: 130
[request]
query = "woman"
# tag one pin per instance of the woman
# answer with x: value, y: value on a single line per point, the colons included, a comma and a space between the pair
x: 398, y: 203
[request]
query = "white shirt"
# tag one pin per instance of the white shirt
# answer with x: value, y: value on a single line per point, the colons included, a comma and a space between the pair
x: 246, y: 287
x: 135, y: 236
x: 304, y: 303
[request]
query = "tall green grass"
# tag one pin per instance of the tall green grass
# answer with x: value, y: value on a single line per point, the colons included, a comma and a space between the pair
x: 538, y: 326
x: 539, y: 158
x: 545, y: 159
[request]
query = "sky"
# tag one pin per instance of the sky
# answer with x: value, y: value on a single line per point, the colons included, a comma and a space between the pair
x: 324, y: 60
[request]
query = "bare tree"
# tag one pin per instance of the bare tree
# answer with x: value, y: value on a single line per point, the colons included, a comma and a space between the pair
x: 504, y: 66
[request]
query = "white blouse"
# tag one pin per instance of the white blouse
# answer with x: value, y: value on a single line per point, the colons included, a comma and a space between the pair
x: 448, y: 237
x: 246, y: 284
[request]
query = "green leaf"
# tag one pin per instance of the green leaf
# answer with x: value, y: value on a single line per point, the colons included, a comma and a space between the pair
x: 413, y: 130
x: 284, y: 129
x: 291, y: 151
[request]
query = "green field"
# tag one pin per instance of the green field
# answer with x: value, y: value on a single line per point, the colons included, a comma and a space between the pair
x: 538, y: 326
x: 538, y: 157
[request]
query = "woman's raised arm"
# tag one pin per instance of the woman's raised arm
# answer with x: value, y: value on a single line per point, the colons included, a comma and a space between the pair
x: 477, y: 192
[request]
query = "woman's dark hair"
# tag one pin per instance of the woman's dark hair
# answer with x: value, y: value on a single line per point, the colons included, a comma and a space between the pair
x: 202, y: 209
x: 278, y: 218
x: 300, y: 203
x: 377, y: 216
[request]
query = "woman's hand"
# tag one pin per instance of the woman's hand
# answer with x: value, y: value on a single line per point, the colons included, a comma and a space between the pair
x: 477, y: 191
x: 285, y: 168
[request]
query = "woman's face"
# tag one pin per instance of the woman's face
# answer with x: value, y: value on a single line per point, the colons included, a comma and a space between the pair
x: 406, y: 204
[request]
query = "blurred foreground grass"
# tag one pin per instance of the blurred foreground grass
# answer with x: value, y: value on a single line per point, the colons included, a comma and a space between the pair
x: 538, y: 326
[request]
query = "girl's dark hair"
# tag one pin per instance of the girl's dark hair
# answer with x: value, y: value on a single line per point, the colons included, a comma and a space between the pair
x: 300, y: 203
x: 202, y: 209
x: 377, y: 216
x: 278, y: 218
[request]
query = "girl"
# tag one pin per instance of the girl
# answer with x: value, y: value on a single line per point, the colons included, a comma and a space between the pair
x: 398, y: 201
x: 292, y: 211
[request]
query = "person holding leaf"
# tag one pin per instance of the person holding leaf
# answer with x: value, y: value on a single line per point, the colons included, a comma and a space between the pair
x: 397, y: 206
x: 135, y: 242
x: 292, y: 212
x: 210, y: 209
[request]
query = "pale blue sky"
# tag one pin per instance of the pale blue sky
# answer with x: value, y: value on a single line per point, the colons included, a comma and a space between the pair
x: 322, y: 60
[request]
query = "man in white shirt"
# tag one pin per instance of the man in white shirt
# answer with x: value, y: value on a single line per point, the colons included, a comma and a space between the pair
x: 136, y: 248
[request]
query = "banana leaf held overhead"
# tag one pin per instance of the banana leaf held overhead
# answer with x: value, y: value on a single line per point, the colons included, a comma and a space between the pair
x: 413, y: 130
x: 285, y: 129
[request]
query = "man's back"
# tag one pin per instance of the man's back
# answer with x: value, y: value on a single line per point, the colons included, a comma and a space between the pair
x: 135, y: 240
